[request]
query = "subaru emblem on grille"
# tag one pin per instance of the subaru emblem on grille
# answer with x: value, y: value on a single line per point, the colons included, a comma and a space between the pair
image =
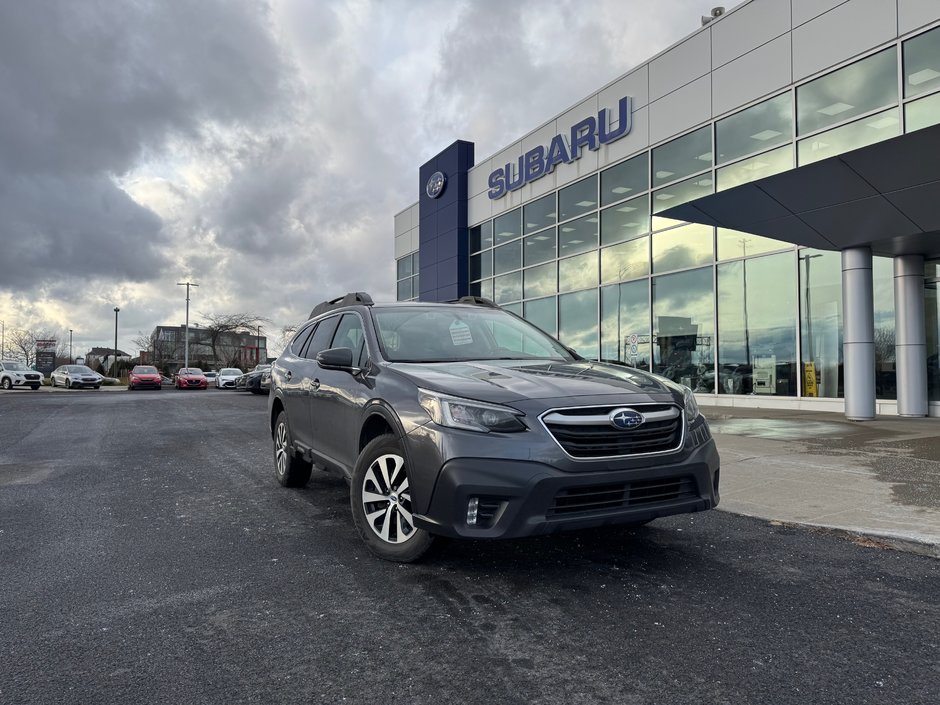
x: 625, y: 419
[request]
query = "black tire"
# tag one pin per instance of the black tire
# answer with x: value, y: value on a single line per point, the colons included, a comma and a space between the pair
x: 68, y: 384
x: 51, y: 381
x: 290, y: 470
x: 7, y: 383
x: 34, y: 387
x: 97, y: 386
x: 384, y: 458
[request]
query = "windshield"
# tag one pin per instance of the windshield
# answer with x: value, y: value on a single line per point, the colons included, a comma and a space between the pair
x: 80, y: 370
x: 190, y: 371
x: 15, y: 367
x: 230, y: 371
x: 144, y: 370
x: 455, y: 334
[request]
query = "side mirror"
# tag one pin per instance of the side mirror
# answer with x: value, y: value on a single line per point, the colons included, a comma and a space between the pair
x: 335, y: 359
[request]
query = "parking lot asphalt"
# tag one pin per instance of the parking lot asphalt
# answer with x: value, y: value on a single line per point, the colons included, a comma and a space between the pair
x: 147, y: 555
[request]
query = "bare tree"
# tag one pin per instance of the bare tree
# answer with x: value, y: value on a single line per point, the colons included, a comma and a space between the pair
x: 220, y: 330
x: 22, y: 342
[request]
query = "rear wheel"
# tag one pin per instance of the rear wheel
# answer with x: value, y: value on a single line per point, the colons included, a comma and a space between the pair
x: 290, y: 470
x: 380, y: 498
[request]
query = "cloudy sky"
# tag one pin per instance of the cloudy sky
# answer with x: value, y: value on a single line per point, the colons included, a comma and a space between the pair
x: 261, y: 147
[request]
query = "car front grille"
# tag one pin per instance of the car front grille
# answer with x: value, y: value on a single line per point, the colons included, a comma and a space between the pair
x: 600, y: 498
x: 586, y: 433
x: 31, y: 378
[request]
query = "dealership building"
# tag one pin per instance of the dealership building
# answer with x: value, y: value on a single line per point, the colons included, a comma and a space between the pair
x: 754, y: 212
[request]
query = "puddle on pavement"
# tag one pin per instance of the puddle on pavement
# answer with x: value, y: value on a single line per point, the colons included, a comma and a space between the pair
x: 24, y: 473
x: 777, y: 429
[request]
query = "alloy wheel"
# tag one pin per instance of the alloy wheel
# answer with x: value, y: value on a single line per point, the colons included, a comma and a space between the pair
x: 281, y: 449
x: 386, y: 499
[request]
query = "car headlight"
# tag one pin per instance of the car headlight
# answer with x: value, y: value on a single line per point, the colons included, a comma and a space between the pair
x: 468, y: 414
x: 691, y: 406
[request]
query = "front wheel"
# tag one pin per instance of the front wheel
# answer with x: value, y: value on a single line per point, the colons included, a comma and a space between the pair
x: 380, y: 498
x: 6, y: 384
x: 34, y: 387
x: 290, y: 470
x: 68, y: 384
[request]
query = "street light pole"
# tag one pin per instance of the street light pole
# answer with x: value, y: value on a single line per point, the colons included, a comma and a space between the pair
x: 258, y: 351
x: 70, y: 347
x: 114, y: 364
x: 3, y: 339
x: 186, y: 351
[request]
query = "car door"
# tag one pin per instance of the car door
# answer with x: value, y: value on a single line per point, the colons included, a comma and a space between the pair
x: 306, y: 376
x: 340, y: 397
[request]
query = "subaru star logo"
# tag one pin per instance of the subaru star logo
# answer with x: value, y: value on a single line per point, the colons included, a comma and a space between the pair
x: 435, y: 184
x: 625, y: 419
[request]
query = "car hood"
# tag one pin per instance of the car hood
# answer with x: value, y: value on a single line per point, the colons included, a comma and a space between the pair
x: 513, y: 380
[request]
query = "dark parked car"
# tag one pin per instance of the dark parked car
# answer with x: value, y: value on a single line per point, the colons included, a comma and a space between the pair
x: 465, y: 420
x: 144, y: 377
x: 251, y: 381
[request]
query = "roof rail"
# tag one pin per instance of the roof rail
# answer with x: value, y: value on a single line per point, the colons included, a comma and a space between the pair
x: 351, y: 299
x: 475, y: 301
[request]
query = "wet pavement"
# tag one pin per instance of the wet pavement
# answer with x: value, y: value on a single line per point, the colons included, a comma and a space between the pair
x: 879, y: 477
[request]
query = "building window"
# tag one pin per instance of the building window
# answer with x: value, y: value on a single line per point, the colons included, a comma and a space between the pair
x: 860, y: 133
x: 481, y: 236
x: 578, y: 272
x: 540, y: 281
x: 507, y: 288
x: 922, y: 113
x: 539, y: 214
x: 853, y: 90
x: 755, y: 129
x: 757, y: 326
x: 932, y: 327
x: 625, y: 179
x: 625, y: 323
x: 542, y: 313
x: 577, y: 236
x: 507, y: 226
x: 683, y: 310
x: 886, y: 382
x: 506, y: 258
x: 682, y: 248
x: 683, y: 192
x: 540, y: 247
x: 922, y: 63
x: 628, y: 260
x: 481, y: 265
x: 733, y: 244
x: 577, y: 322
x: 577, y: 199
x: 683, y: 156
x: 407, y: 277
x: 821, y: 322
x: 756, y: 167
x: 626, y: 221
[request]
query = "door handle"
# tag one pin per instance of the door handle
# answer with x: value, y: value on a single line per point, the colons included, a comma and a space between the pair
x: 315, y: 385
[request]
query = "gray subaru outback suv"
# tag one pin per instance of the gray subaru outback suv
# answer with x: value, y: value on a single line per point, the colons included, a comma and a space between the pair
x: 464, y: 420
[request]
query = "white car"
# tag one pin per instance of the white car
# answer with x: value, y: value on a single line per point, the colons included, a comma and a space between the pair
x: 75, y: 376
x: 16, y: 374
x: 227, y: 377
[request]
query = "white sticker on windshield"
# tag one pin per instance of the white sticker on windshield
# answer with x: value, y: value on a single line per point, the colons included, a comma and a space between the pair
x: 460, y: 333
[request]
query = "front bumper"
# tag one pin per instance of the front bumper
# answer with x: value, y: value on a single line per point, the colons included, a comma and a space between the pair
x: 524, y: 498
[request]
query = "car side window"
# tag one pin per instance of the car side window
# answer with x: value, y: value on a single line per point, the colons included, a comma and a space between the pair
x: 349, y: 334
x: 297, y: 344
x: 320, y: 340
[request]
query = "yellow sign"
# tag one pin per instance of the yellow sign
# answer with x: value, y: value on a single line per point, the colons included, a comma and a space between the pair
x: 809, y: 380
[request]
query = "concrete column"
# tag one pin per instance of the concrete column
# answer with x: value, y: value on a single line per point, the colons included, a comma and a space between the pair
x: 858, y: 339
x: 910, y: 340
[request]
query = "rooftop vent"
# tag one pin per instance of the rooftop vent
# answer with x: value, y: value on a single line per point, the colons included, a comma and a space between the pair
x: 715, y: 14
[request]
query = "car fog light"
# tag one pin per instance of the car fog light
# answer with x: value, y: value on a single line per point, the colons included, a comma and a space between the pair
x: 473, y: 507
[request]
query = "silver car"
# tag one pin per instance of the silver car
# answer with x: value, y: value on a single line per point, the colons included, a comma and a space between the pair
x: 75, y: 376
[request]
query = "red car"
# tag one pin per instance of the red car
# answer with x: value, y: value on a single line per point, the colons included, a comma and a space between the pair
x: 144, y: 376
x: 191, y: 378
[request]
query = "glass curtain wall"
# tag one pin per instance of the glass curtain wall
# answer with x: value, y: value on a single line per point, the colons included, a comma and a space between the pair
x: 821, y: 322
x: 683, y: 336
x: 757, y: 326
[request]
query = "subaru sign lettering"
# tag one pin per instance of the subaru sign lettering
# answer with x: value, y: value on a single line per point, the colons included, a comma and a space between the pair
x: 590, y: 133
x: 625, y: 419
